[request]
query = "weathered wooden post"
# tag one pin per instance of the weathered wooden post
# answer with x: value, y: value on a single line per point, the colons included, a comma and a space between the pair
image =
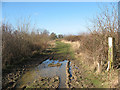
x: 110, y: 53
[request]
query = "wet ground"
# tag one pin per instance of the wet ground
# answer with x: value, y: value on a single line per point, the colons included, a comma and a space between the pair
x: 39, y: 66
x: 43, y: 70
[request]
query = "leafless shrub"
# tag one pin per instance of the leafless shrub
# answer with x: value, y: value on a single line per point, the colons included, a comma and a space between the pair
x: 96, y: 43
x: 18, y: 44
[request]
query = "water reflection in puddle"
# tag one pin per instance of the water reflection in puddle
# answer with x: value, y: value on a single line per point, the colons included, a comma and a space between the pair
x: 45, y: 71
x: 70, y: 70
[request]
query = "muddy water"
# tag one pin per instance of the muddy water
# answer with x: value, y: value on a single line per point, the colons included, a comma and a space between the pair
x: 45, y: 71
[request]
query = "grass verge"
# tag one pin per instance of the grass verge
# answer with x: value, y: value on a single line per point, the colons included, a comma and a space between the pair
x: 101, y: 80
x: 63, y: 51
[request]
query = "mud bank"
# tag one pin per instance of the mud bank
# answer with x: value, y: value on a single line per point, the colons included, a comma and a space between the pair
x: 45, y: 82
x: 68, y: 75
x: 80, y: 77
x: 10, y: 80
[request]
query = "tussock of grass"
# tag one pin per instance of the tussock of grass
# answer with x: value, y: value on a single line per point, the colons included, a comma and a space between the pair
x: 54, y: 65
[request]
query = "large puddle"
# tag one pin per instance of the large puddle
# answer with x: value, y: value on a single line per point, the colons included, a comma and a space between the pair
x: 45, y: 71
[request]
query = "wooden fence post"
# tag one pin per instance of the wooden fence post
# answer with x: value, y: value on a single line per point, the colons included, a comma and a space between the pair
x: 110, y: 53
